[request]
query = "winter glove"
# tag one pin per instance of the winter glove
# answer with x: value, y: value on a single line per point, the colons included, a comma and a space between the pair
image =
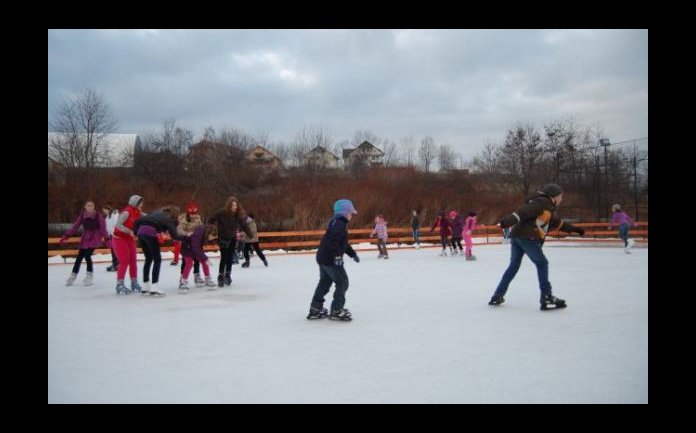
x: 63, y: 240
x: 356, y: 258
x: 338, y: 261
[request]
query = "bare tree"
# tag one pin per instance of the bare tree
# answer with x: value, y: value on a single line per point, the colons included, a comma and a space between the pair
x: 209, y: 134
x: 559, y: 144
x: 447, y: 158
x: 408, y: 145
x: 391, y: 155
x: 427, y: 152
x: 365, y: 135
x: 282, y: 150
x: 172, y: 138
x: 520, y: 155
x: 82, y: 123
x: 262, y: 138
x: 487, y: 161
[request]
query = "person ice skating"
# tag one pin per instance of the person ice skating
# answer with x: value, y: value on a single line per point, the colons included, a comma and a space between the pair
x: 124, y: 243
x: 442, y: 222
x: 333, y: 245
x: 624, y: 222
x: 188, y: 221
x: 94, y: 234
x: 457, y: 228
x: 192, y: 250
x: 252, y: 242
x: 530, y: 224
x: 111, y: 217
x: 148, y: 228
x: 469, y: 227
x: 382, y: 234
x: 229, y: 220
x: 415, y: 228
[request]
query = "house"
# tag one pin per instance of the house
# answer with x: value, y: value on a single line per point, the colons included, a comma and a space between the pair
x: 320, y: 157
x: 114, y: 150
x: 259, y: 156
x: 366, y: 153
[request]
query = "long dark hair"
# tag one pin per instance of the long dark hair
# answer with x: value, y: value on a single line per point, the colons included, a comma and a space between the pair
x: 228, y: 207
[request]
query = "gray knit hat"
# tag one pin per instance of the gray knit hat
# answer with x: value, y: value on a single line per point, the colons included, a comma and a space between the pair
x: 134, y: 200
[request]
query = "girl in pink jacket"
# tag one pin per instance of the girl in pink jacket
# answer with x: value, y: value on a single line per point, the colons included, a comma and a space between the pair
x: 469, y: 227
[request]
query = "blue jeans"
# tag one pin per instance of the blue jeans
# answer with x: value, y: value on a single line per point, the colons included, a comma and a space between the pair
x: 327, y: 276
x: 415, y: 235
x: 623, y: 233
x: 532, y: 248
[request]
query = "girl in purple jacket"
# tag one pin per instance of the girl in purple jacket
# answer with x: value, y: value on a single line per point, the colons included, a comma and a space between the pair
x: 624, y: 222
x: 93, y: 236
x: 192, y: 249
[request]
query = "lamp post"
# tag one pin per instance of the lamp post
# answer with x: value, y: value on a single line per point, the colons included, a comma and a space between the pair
x: 605, y: 143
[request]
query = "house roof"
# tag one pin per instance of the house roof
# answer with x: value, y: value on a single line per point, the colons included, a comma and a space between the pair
x: 319, y: 150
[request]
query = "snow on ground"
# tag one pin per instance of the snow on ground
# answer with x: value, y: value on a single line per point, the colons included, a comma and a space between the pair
x: 422, y: 333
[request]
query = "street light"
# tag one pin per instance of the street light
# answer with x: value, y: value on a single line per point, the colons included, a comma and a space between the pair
x: 605, y: 142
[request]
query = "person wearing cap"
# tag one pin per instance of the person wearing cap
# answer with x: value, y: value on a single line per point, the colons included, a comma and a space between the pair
x: 530, y: 224
x: 191, y: 209
x: 124, y: 243
x: 457, y: 222
x: 188, y: 222
x: 333, y: 245
x: 624, y: 222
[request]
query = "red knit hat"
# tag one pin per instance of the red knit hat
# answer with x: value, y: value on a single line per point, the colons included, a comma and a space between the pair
x: 192, y: 208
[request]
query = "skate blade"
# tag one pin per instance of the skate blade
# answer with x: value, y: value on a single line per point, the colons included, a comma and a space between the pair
x: 555, y: 307
x: 341, y: 319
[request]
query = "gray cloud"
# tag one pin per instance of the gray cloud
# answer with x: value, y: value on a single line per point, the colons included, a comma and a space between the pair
x: 462, y: 87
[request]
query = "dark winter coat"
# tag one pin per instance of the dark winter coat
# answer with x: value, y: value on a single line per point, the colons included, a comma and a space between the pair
x: 161, y: 222
x: 534, y: 219
x: 444, y: 225
x: 229, y: 223
x: 457, y: 227
x: 193, y: 245
x: 335, y: 242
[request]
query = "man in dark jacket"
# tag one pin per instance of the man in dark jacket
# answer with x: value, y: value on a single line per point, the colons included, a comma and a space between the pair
x: 330, y: 259
x: 530, y: 224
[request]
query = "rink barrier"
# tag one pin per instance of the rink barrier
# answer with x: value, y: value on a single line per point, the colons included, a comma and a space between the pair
x: 491, y: 233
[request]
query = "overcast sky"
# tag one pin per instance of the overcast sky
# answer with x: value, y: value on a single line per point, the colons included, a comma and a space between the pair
x: 462, y: 87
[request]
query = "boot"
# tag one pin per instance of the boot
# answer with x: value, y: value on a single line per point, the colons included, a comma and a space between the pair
x: 183, y: 286
x: 71, y: 279
x: 135, y: 287
x: 88, y: 279
x: 121, y: 288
